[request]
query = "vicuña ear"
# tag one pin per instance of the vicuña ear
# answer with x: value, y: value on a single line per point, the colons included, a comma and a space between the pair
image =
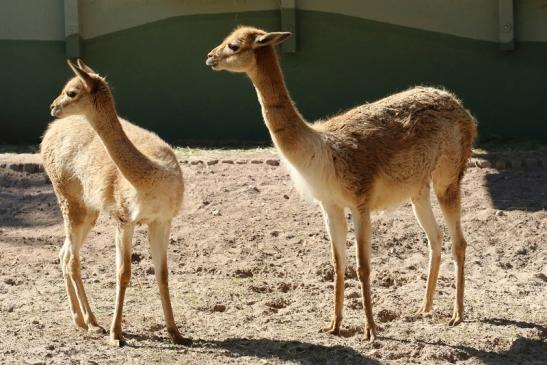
x: 89, y: 82
x: 85, y: 67
x: 272, y: 38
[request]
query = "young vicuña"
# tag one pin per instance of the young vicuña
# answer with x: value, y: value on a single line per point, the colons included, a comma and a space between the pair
x: 99, y: 162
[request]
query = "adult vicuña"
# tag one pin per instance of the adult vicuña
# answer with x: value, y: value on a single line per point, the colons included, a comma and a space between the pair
x: 371, y: 157
x: 98, y: 161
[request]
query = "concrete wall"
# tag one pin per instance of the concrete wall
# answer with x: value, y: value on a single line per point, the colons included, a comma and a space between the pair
x: 32, y: 20
x: 347, y: 52
x: 43, y: 20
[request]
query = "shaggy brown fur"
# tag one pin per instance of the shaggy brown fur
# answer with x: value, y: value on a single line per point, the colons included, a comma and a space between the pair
x: 100, y: 162
x: 374, y: 156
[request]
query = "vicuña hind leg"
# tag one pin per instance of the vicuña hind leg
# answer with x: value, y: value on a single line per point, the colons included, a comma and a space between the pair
x: 421, y: 205
x: 124, y: 236
x: 335, y: 222
x: 363, y: 234
x: 78, y: 223
x: 449, y: 200
x: 159, y: 238
x: 64, y: 259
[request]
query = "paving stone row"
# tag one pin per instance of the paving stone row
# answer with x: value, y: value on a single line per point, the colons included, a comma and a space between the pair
x: 497, y: 163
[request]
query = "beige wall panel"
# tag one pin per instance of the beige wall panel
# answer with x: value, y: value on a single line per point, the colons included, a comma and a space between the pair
x: 101, y: 17
x: 32, y: 20
x: 531, y: 20
x: 475, y: 19
x: 465, y: 18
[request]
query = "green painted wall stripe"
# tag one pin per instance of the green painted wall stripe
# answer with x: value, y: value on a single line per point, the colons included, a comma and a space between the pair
x: 32, y: 76
x: 73, y: 46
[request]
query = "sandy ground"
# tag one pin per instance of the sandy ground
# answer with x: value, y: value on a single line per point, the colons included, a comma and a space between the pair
x: 251, y: 276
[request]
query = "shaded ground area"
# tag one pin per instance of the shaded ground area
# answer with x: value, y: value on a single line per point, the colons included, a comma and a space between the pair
x: 251, y: 275
x: 517, y: 189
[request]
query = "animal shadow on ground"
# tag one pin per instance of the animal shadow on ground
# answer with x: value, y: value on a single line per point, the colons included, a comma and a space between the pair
x: 265, y: 348
x: 21, y: 210
x: 519, y: 324
x: 27, y: 200
x: 523, y: 350
x: 518, y: 188
x: 300, y: 352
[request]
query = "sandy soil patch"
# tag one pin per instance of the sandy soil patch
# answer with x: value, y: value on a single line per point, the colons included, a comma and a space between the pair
x: 251, y: 276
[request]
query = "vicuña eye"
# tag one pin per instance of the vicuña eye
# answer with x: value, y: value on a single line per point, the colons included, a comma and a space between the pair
x: 233, y: 47
x: 71, y: 94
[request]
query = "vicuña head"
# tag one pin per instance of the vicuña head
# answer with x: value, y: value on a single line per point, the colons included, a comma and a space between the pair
x: 80, y: 94
x: 237, y: 53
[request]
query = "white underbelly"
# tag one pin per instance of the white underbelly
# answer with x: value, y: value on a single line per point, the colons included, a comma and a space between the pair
x: 318, y: 184
x: 388, y: 196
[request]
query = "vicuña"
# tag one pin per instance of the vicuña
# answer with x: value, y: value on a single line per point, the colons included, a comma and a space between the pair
x: 372, y: 157
x: 98, y: 161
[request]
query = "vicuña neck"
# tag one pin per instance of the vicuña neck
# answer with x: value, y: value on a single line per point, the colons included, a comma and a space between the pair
x: 290, y: 132
x: 131, y: 162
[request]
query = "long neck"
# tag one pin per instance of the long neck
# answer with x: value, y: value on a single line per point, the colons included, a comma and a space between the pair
x: 133, y: 164
x: 290, y: 132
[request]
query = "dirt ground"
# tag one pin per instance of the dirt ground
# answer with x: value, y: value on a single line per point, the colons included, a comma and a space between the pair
x: 251, y: 279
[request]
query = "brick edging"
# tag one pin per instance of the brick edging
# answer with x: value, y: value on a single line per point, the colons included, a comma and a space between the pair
x: 506, y: 162
x: 499, y: 163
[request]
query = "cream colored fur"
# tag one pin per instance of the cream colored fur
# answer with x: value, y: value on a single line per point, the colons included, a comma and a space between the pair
x: 372, y: 157
x: 99, y: 162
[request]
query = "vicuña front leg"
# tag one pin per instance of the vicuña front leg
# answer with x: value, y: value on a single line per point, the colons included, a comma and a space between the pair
x: 159, y: 239
x: 422, y: 209
x: 124, y: 236
x: 363, y: 233
x: 335, y: 223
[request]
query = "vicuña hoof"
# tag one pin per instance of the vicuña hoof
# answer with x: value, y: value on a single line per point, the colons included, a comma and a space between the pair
x: 177, y: 338
x: 119, y: 342
x: 424, y: 309
x: 370, y: 333
x: 331, y: 329
x: 79, y: 323
x: 456, y: 319
x: 96, y: 329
